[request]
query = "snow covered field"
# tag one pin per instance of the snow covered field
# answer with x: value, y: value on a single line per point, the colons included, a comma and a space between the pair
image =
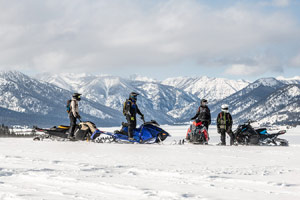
x: 83, y: 170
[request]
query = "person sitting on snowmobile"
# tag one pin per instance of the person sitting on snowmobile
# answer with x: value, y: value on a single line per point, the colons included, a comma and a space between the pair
x: 130, y: 110
x: 224, y: 125
x: 74, y: 114
x: 203, y: 114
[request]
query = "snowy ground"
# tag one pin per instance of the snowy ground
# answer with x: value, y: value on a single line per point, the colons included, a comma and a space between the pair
x: 83, y: 170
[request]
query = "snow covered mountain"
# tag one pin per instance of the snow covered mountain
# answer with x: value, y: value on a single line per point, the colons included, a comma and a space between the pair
x: 293, y: 80
x: 249, y: 96
x: 281, y: 107
x: 40, y: 103
x: 266, y: 100
x: 212, y: 89
x: 166, y: 104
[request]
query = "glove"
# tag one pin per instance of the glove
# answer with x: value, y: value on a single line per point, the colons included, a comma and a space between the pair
x: 219, y: 131
x: 142, y: 117
x: 132, y: 118
x: 79, y: 117
x: 193, y: 118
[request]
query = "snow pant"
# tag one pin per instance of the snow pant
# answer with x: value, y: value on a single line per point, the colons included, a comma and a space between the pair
x: 223, y: 136
x: 131, y: 125
x: 72, y: 125
x: 206, y: 125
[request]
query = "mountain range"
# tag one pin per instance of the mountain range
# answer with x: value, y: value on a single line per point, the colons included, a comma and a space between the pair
x: 41, y: 100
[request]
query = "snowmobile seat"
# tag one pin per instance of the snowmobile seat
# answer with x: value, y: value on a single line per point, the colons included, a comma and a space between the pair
x: 122, y: 132
x: 63, y: 127
x: 262, y: 131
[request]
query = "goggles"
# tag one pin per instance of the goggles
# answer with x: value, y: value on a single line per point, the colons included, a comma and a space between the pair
x: 134, y: 97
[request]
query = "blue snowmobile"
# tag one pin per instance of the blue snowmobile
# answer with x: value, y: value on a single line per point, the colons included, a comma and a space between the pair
x: 147, y: 133
x: 245, y: 134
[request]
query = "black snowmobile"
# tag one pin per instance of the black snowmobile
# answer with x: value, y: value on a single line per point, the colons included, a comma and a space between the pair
x: 83, y: 131
x: 245, y: 134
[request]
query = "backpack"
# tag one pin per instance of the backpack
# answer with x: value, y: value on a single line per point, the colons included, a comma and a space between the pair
x: 124, y: 107
x: 224, y: 120
x: 69, y: 106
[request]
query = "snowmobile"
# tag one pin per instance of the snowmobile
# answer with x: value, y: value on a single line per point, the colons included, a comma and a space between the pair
x: 197, y: 133
x: 245, y: 134
x: 147, y: 133
x: 83, y: 131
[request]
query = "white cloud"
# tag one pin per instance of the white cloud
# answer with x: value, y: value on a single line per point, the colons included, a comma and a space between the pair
x: 295, y: 61
x: 243, y: 70
x: 80, y: 35
x: 281, y: 3
x: 276, y: 3
x: 254, y: 66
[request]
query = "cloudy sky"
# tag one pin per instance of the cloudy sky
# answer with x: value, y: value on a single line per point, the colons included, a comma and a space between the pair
x: 157, y: 38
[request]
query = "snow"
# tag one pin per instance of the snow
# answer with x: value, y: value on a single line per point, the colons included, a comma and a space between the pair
x: 292, y: 80
x: 213, y: 89
x: 137, y: 77
x: 84, y: 170
x: 268, y: 82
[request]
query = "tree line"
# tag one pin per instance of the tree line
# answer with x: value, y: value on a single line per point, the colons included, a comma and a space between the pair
x: 5, y: 131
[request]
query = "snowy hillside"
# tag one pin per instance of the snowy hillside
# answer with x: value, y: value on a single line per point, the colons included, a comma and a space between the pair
x: 29, y: 101
x: 294, y: 80
x: 43, y: 103
x: 242, y: 101
x: 266, y: 100
x: 164, y: 103
x: 212, y: 89
x: 282, y: 106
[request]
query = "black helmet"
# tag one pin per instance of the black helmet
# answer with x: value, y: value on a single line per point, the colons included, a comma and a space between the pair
x: 76, y: 96
x: 203, y: 101
x: 133, y: 95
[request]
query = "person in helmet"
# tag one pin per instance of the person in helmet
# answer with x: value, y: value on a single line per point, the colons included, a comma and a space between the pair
x: 130, y: 111
x: 224, y: 124
x: 203, y: 114
x: 74, y: 113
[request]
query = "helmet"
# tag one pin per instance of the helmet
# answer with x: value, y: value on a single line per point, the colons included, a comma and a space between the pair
x: 203, y: 101
x: 76, y: 96
x: 224, y: 107
x: 133, y: 96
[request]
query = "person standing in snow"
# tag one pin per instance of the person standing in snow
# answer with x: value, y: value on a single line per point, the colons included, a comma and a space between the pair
x: 130, y: 110
x: 203, y: 114
x: 224, y: 125
x: 74, y: 113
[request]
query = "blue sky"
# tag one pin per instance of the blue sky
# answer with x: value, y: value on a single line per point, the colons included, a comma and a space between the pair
x: 159, y: 38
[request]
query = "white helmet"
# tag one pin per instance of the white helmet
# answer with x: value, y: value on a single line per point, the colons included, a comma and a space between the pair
x: 225, y: 107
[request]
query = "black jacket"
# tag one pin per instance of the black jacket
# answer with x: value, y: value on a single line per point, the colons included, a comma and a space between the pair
x: 203, y: 115
x: 224, y: 120
x: 131, y: 108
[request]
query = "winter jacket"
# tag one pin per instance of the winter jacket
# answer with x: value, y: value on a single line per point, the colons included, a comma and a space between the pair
x: 131, y: 108
x: 224, y: 120
x: 74, y: 108
x: 203, y: 115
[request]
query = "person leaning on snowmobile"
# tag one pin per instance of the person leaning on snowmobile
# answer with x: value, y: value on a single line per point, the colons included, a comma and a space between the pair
x: 203, y: 114
x: 74, y: 114
x: 224, y: 125
x: 130, y: 111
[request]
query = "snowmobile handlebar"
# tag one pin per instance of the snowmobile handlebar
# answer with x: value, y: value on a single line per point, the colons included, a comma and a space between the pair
x: 142, y: 118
